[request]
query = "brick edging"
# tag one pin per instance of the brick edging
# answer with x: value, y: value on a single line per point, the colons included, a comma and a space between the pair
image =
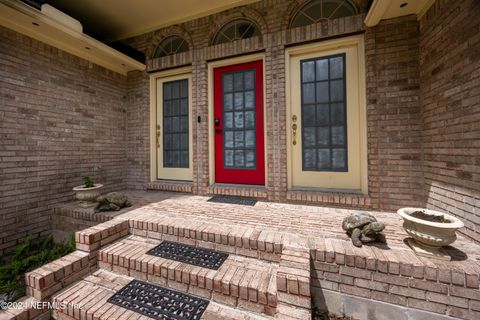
x: 396, y: 262
x: 91, y: 239
x: 398, y: 277
x: 44, y: 281
x: 293, y: 284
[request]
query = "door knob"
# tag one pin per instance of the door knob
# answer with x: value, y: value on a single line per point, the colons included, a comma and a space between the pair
x: 217, y: 122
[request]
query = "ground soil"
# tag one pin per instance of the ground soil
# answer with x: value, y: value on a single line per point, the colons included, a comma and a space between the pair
x: 323, y: 315
x: 429, y: 217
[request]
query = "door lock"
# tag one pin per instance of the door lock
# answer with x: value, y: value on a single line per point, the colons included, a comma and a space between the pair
x: 218, y: 128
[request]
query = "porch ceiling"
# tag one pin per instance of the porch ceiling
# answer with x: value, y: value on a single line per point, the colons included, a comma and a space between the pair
x: 119, y: 19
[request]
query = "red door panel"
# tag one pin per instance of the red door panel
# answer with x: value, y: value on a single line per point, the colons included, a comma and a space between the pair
x: 239, y: 131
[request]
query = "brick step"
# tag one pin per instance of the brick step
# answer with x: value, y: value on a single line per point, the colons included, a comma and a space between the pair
x: 27, y: 308
x: 240, y: 282
x: 264, y: 244
x: 87, y: 300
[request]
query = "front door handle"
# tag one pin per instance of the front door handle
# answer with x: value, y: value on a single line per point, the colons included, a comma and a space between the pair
x: 158, y: 136
x: 294, y: 130
x: 217, y: 122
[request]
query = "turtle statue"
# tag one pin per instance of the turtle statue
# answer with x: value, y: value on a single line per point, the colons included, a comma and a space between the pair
x: 363, y: 227
x: 112, y: 201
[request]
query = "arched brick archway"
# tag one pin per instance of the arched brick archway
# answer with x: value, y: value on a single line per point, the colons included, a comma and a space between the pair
x: 159, y: 35
x: 295, y: 5
x: 237, y: 13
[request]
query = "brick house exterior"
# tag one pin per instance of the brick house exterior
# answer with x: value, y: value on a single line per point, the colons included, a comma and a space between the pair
x: 63, y: 117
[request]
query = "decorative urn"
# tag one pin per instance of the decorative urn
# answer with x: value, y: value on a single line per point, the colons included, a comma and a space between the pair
x: 89, y: 194
x: 430, y: 230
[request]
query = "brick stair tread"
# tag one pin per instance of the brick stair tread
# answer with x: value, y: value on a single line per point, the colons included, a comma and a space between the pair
x: 90, y: 295
x: 242, y: 278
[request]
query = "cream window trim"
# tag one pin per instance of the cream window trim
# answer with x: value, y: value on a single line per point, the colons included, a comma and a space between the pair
x: 157, y: 172
x: 211, y: 126
x: 356, y: 179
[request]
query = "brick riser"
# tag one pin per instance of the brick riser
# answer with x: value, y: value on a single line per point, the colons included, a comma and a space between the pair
x: 243, y: 241
x: 240, y: 282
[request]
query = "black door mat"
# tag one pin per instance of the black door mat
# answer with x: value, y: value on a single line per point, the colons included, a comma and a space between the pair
x: 196, y: 256
x: 233, y: 200
x: 158, y: 302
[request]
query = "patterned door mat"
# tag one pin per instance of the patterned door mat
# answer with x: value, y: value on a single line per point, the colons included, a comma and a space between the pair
x: 158, y: 302
x: 233, y: 200
x: 196, y: 256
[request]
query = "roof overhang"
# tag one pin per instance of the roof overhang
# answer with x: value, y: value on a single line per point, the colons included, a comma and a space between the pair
x: 388, y: 9
x: 120, y: 19
x: 24, y: 19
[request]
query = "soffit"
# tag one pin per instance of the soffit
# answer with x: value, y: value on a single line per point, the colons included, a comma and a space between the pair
x: 388, y: 9
x: 120, y: 19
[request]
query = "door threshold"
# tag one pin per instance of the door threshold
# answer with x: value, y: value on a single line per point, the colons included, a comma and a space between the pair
x: 237, y: 185
x: 240, y: 190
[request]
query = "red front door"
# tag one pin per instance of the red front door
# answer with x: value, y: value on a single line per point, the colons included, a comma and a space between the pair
x: 238, y: 116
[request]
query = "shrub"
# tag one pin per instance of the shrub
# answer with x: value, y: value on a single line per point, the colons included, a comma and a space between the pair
x: 27, y: 257
x: 88, y: 182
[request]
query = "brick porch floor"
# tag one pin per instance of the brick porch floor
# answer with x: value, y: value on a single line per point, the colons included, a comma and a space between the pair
x: 285, y: 259
x: 304, y: 220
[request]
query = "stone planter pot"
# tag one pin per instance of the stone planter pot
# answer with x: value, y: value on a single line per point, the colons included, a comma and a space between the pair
x: 88, y: 194
x: 429, y: 237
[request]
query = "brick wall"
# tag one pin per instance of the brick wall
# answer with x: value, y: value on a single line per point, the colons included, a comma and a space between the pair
x: 394, y: 122
x: 394, y: 276
x: 138, y: 130
x: 450, y: 88
x: 393, y: 111
x: 60, y: 116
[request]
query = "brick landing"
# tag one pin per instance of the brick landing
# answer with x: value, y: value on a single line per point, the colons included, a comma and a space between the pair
x: 303, y: 220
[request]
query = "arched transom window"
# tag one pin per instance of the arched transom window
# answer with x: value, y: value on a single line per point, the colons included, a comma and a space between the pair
x: 317, y: 10
x: 171, y: 45
x: 236, y: 30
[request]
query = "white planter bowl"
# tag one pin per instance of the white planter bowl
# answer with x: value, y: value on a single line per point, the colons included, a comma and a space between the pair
x: 88, y: 194
x: 432, y: 234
